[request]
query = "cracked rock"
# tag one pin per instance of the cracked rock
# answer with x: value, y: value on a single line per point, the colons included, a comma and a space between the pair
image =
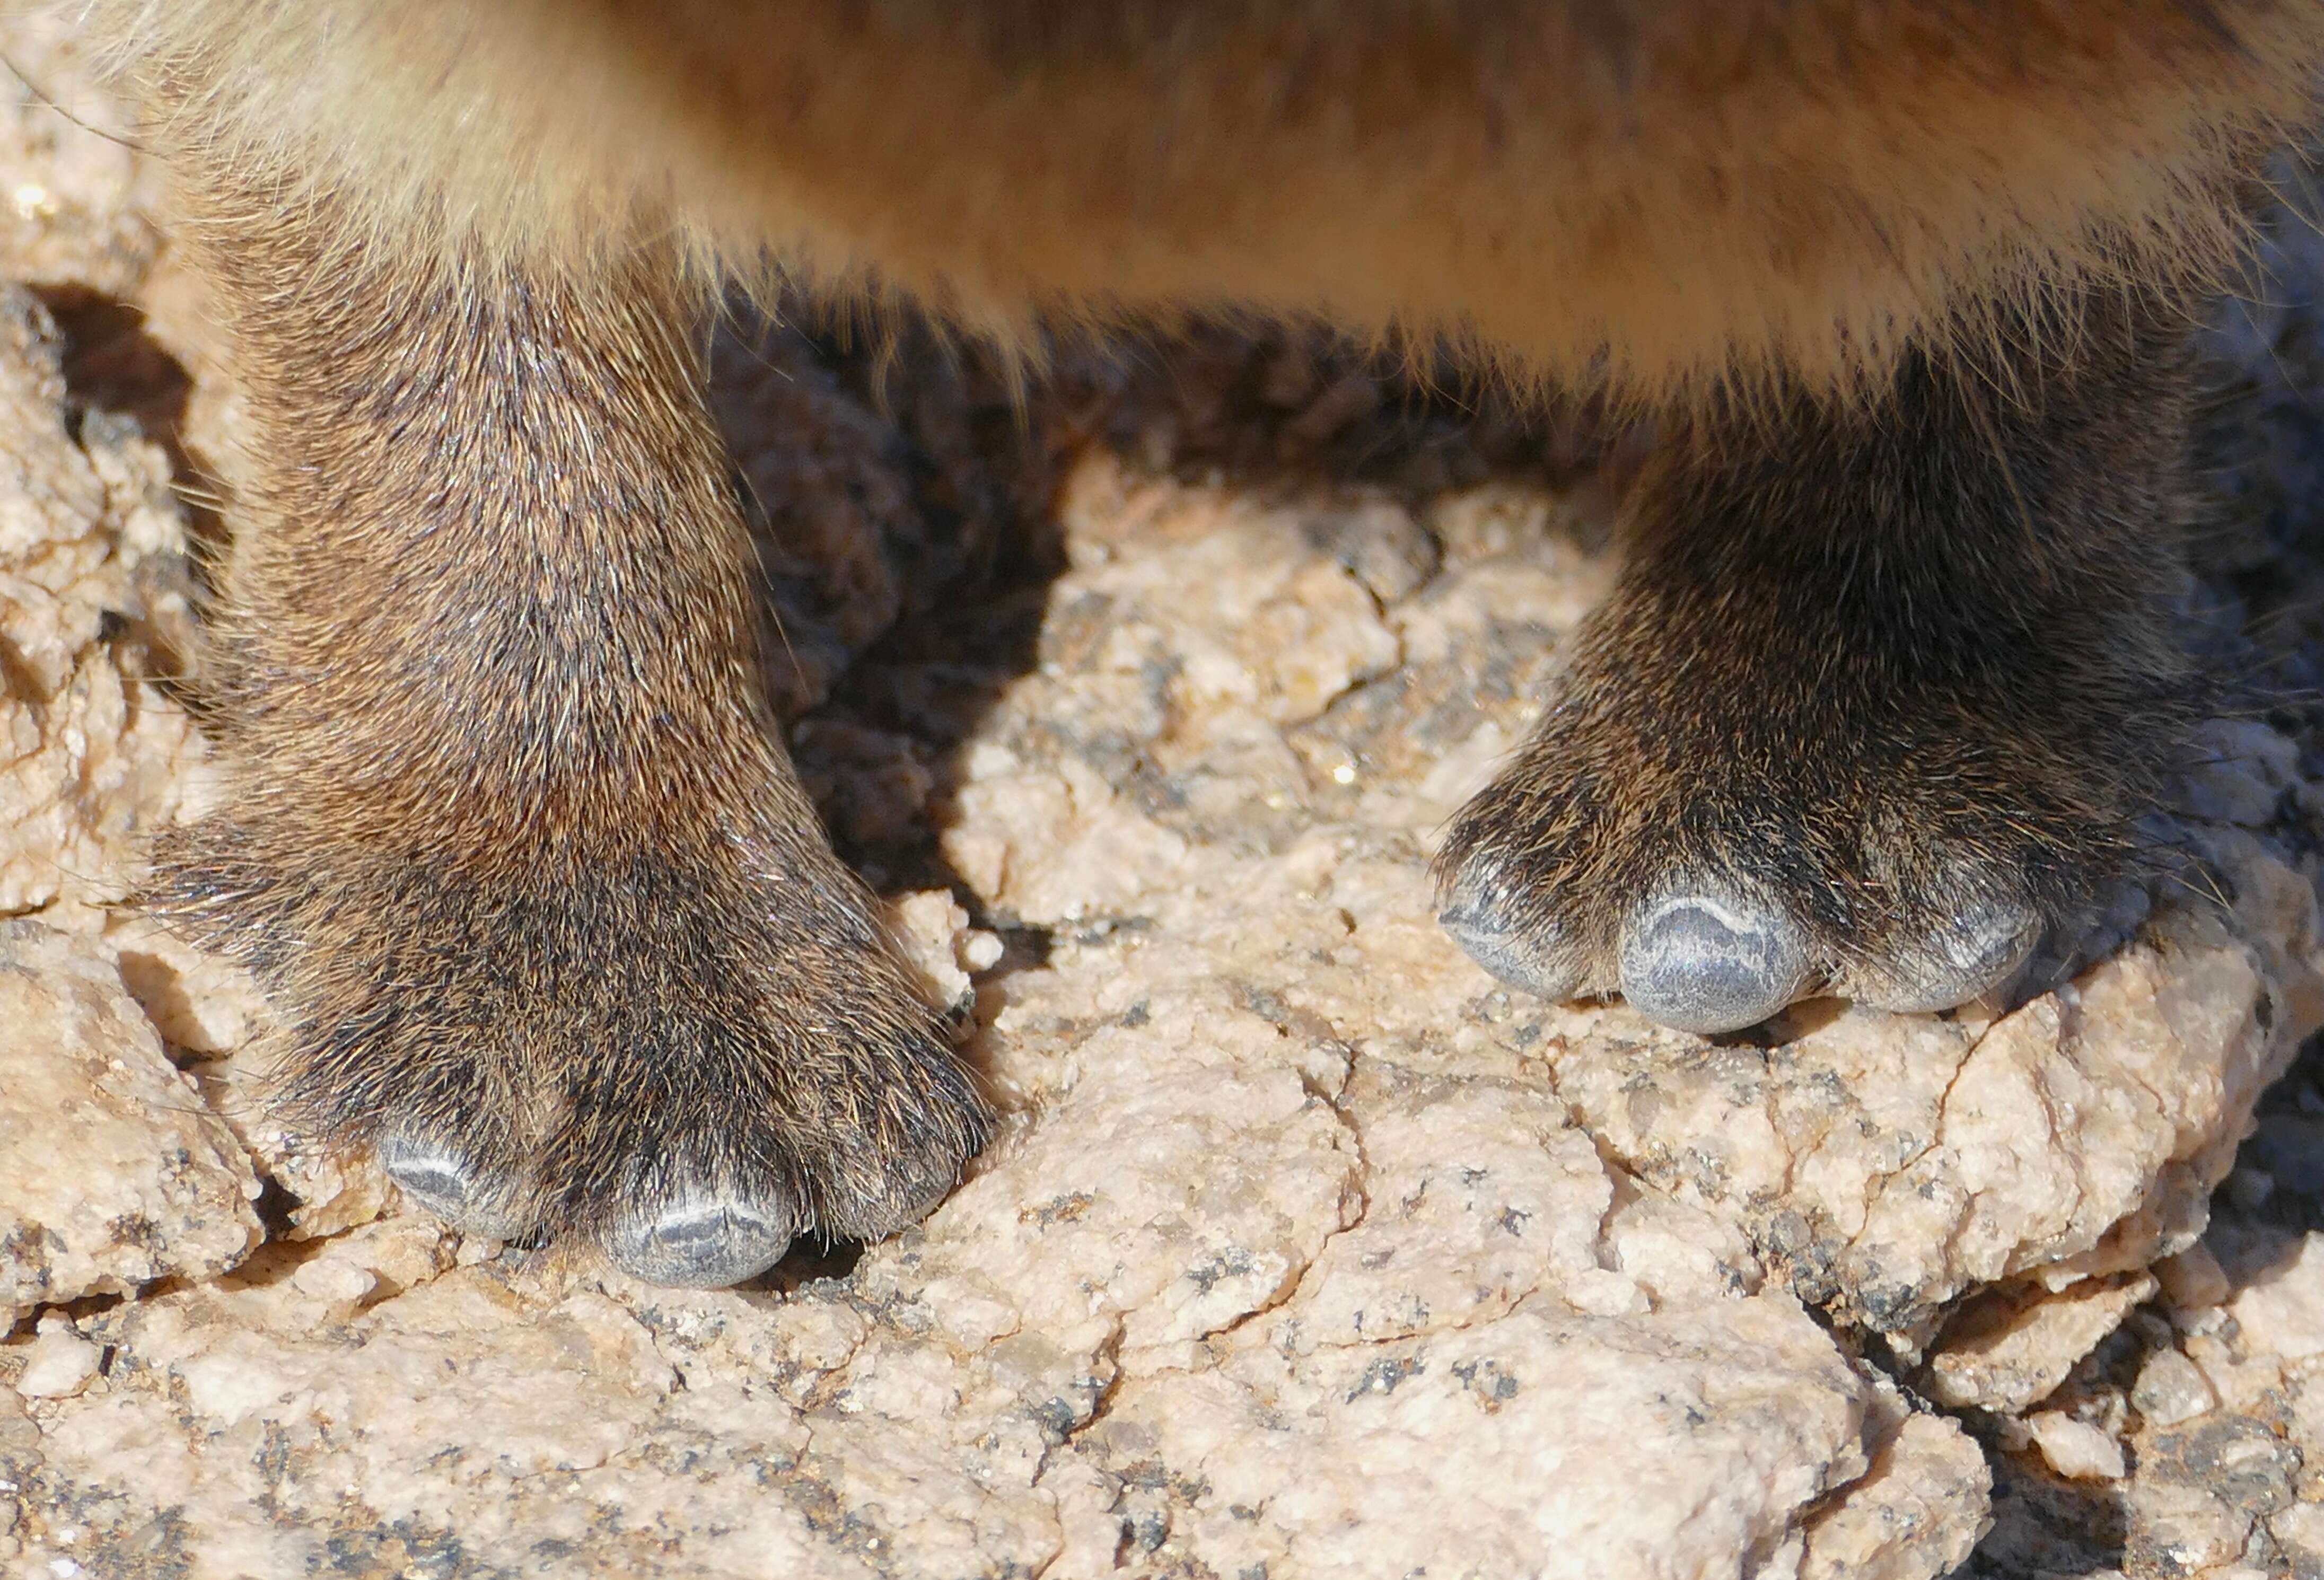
x: 1918, y: 1512
x: 113, y: 1171
x: 1889, y: 1164
x: 91, y: 550
x: 2007, y: 1351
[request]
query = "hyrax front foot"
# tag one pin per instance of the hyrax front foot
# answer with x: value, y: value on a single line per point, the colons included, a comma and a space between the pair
x: 1715, y: 866
x: 688, y: 1050
x: 508, y: 833
x: 1874, y: 704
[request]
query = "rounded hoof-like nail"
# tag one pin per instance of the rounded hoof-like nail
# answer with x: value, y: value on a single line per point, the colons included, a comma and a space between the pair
x: 703, y: 1242
x: 1980, y: 948
x: 454, y: 1190
x: 1700, y: 964
x: 1525, y: 962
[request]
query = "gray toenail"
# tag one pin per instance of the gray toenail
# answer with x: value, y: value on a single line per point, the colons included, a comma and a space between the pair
x: 1700, y: 964
x: 448, y: 1185
x: 1994, y: 939
x: 1524, y: 961
x: 1980, y: 948
x: 703, y: 1242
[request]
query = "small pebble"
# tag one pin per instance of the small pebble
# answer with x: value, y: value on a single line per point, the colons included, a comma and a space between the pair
x: 2192, y: 1281
x: 980, y: 951
x: 473, y: 1249
x: 61, y: 1362
x: 2075, y: 1449
x: 336, y: 1283
x: 2171, y: 1389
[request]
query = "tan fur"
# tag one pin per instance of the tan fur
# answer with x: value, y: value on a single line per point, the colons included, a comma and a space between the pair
x: 1666, y: 193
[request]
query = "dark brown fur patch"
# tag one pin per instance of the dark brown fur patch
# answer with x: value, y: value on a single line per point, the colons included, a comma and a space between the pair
x: 1883, y: 678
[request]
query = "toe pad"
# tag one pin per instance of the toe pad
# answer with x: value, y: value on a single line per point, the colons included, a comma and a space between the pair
x: 461, y: 1193
x: 1700, y: 963
x: 1981, y: 950
x: 1517, y: 959
x: 703, y: 1241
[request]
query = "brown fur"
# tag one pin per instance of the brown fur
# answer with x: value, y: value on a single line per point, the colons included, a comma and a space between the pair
x: 548, y: 914
x: 515, y: 843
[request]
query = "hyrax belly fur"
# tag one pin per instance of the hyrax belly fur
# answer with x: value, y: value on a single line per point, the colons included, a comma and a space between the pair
x: 547, y: 919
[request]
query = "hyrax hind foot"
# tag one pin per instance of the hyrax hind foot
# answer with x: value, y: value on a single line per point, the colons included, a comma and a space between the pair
x: 509, y: 837
x: 1874, y: 704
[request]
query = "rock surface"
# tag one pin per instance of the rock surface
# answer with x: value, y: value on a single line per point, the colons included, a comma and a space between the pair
x: 113, y: 1172
x: 1306, y: 1249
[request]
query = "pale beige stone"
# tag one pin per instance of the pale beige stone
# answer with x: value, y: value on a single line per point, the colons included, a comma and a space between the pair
x: 1892, y: 1164
x: 2228, y: 1434
x: 2302, y: 1531
x: 2172, y: 1388
x: 328, y: 1190
x: 978, y: 950
x: 2075, y: 1449
x: 113, y: 1171
x: 2183, y: 1526
x: 2237, y: 1376
x: 2282, y: 1310
x: 1916, y: 1515
x: 2192, y: 1281
x: 1478, y: 1197
x: 1101, y: 854
x: 2306, y: 1429
x: 2012, y: 1348
x: 89, y: 750
x: 58, y: 1362
x: 929, y: 925
x: 74, y: 211
x: 196, y: 1001
x: 1646, y: 1445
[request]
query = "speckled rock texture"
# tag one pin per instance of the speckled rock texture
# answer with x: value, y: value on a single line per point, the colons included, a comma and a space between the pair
x: 1306, y: 1249
x: 113, y: 1172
